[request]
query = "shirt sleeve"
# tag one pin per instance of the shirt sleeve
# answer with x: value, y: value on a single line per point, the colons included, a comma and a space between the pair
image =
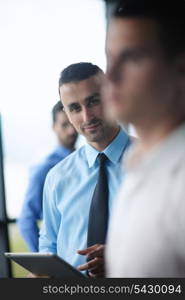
x: 32, y: 208
x: 51, y: 218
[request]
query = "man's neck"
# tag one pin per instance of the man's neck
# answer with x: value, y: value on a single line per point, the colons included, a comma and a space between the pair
x: 69, y: 147
x: 152, y: 134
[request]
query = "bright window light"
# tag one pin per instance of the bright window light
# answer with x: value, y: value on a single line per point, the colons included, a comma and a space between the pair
x: 38, y: 39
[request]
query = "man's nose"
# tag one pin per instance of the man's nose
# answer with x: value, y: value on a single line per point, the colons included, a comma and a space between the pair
x: 87, y: 114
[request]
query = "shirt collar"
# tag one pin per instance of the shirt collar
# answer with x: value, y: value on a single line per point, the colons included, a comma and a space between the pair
x: 113, y: 151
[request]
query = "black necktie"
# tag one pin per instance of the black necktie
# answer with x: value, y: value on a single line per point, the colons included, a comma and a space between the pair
x: 98, y: 214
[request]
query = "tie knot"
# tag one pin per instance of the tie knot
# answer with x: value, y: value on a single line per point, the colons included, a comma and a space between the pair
x: 101, y: 158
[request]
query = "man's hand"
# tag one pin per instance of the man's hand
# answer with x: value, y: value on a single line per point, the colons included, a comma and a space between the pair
x: 32, y: 275
x: 95, y: 260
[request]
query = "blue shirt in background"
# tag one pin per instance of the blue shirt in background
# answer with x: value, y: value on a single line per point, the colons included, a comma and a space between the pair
x: 32, y: 205
x: 68, y: 192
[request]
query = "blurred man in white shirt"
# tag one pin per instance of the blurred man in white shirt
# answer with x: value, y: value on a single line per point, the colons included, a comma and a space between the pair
x: 146, y: 87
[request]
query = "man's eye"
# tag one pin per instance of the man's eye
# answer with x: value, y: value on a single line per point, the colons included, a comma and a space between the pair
x: 94, y: 102
x: 134, y: 57
x: 74, y: 108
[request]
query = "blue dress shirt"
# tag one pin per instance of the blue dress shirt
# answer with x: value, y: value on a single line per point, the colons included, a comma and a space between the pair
x: 68, y: 192
x: 32, y: 206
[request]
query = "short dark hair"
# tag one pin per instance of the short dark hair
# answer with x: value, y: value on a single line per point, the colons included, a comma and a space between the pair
x: 77, y: 72
x: 58, y: 107
x: 169, y: 15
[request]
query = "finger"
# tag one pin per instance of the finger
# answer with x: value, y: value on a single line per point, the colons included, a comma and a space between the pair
x: 90, y: 264
x: 99, y: 252
x: 99, y: 269
x: 98, y: 275
x: 95, y: 263
x: 83, y: 267
x: 88, y: 250
x: 32, y: 275
x: 87, y: 265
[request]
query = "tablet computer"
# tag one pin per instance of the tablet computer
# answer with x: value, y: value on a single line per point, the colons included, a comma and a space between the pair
x: 45, y: 264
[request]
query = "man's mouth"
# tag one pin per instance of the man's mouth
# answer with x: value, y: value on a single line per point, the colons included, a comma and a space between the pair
x: 92, y: 127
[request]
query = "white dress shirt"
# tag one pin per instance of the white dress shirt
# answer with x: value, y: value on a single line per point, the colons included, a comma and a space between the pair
x: 147, y: 230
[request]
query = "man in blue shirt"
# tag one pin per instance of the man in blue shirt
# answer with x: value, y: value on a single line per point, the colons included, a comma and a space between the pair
x: 70, y: 185
x: 32, y: 206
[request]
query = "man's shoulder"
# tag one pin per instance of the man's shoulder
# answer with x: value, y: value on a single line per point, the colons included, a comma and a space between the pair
x: 40, y: 169
x: 45, y: 161
x: 69, y: 163
x: 54, y: 157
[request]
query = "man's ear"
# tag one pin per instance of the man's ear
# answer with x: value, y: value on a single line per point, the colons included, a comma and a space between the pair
x: 54, y: 127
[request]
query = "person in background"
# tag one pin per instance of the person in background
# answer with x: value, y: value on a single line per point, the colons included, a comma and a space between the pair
x: 145, y: 49
x: 32, y: 206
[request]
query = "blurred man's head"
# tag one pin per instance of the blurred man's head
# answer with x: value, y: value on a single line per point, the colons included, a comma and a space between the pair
x: 145, y: 49
x: 64, y: 130
x: 79, y: 88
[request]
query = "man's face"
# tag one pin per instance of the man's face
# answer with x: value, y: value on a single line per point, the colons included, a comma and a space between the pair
x: 64, y: 130
x: 83, y: 106
x: 140, y: 82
